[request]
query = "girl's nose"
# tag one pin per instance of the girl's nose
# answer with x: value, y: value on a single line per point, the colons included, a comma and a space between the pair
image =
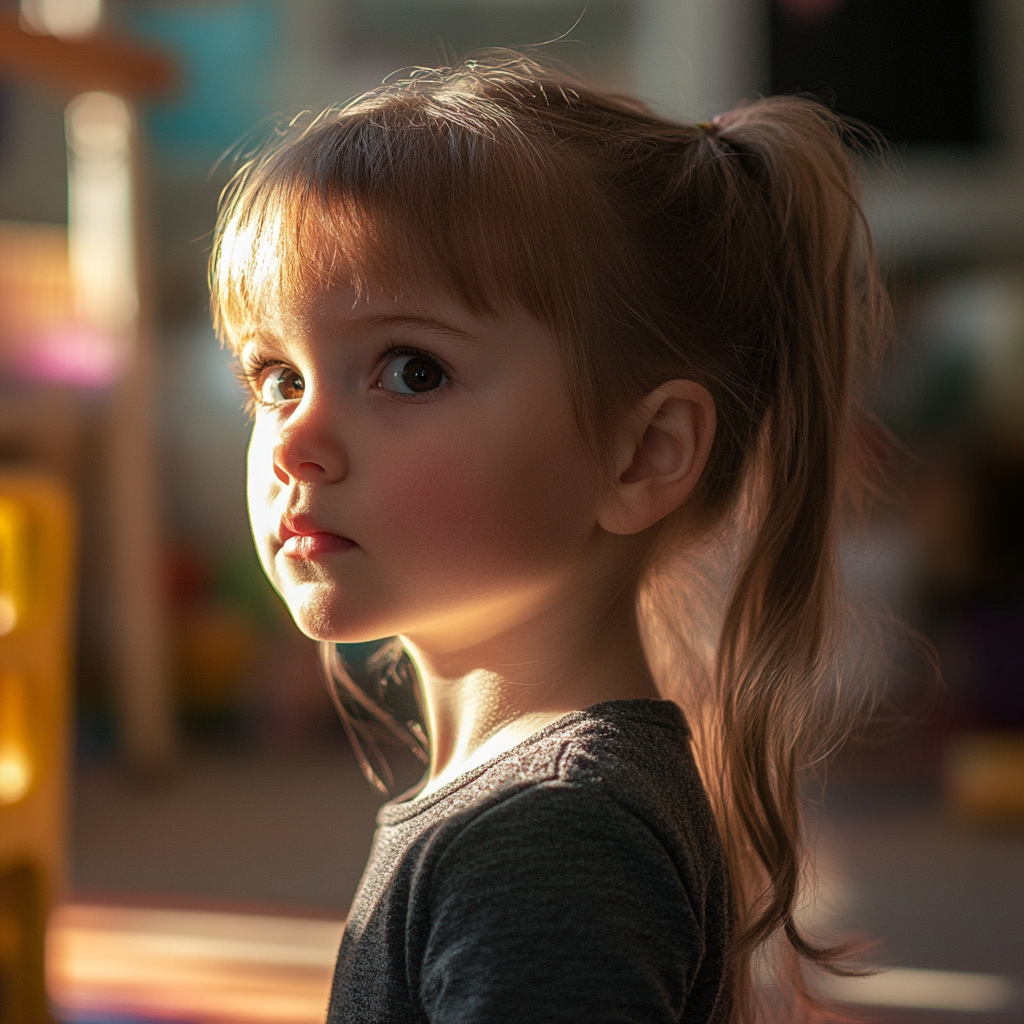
x: 307, y: 450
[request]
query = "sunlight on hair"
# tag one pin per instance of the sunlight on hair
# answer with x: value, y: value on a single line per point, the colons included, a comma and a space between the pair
x: 250, y: 253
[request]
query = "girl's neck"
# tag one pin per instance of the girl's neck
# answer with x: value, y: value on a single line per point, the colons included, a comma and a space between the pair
x: 575, y: 651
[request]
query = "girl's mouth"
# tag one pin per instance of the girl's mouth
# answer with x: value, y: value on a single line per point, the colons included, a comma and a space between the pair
x: 302, y: 541
x: 302, y: 546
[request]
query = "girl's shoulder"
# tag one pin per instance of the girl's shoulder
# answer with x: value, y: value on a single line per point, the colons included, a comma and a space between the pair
x: 623, y: 764
x: 589, y: 849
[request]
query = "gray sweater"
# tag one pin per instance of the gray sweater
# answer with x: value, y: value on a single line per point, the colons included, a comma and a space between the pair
x: 576, y: 878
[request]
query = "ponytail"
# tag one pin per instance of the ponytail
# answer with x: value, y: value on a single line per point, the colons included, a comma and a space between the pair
x: 774, y: 700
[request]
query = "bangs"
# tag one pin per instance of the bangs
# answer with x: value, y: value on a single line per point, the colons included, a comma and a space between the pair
x: 452, y: 190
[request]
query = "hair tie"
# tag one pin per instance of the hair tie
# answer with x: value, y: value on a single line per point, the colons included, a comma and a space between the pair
x: 715, y: 125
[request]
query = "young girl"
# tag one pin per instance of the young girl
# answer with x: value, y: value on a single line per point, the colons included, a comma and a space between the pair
x: 558, y: 392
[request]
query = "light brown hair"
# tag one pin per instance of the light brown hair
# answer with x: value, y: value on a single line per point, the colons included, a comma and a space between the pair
x: 734, y: 254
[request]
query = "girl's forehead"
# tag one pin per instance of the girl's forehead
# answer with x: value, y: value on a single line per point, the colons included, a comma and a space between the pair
x: 423, y: 304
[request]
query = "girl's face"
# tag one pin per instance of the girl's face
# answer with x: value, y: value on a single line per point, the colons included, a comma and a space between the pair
x: 414, y: 468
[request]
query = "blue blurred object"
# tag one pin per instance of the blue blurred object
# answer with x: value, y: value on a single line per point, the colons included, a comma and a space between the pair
x: 226, y: 53
x: 373, y: 686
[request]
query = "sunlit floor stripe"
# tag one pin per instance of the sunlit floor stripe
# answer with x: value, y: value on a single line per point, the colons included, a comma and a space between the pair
x: 907, y: 988
x: 108, y: 963
x: 116, y: 963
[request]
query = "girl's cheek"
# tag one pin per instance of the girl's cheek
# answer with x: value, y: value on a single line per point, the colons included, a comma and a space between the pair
x: 262, y: 484
x: 489, y: 502
x: 257, y: 463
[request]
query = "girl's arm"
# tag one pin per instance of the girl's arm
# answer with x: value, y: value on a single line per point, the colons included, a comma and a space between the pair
x: 558, y: 904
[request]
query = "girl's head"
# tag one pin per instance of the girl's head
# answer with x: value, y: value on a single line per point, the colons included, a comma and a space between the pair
x: 623, y: 252
x: 650, y: 250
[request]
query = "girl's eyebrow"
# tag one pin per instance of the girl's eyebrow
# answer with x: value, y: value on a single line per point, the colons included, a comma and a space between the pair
x: 410, y: 320
x: 251, y: 338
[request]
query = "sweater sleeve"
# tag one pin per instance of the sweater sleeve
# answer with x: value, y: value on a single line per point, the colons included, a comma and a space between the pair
x: 556, y: 905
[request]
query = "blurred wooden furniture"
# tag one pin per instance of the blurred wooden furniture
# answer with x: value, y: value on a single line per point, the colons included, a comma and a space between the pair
x: 36, y: 597
x: 103, y: 62
x: 102, y: 75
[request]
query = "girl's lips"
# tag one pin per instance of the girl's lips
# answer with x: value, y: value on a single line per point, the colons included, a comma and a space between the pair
x: 314, y: 545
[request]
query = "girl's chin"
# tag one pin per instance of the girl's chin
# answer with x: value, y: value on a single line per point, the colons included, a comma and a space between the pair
x: 332, y: 625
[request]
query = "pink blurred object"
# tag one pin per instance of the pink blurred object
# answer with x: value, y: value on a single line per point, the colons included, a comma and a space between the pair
x: 72, y: 355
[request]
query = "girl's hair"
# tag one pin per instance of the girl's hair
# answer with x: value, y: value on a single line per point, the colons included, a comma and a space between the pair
x: 732, y: 253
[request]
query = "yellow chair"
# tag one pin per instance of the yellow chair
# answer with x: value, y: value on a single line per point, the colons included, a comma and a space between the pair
x: 36, y: 596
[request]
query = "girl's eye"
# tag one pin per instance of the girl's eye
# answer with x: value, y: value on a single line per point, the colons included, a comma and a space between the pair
x: 412, y: 375
x: 282, y: 384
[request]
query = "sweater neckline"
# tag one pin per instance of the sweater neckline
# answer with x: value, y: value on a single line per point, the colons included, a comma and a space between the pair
x: 665, y: 713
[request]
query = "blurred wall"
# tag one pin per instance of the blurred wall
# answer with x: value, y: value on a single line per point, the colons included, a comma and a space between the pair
x: 944, y: 217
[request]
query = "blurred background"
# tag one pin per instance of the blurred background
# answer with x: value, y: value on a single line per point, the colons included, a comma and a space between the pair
x: 173, y: 779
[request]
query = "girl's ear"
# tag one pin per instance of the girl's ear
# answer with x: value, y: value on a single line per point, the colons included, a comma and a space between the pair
x: 661, y: 449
